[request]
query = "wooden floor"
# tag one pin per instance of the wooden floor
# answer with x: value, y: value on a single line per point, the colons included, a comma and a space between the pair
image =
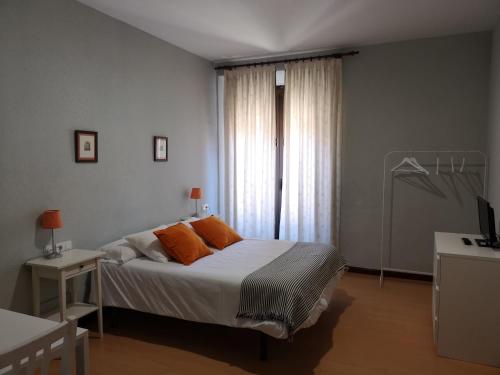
x: 367, y: 330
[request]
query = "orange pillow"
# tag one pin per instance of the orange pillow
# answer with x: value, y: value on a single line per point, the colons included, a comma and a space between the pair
x: 217, y: 233
x: 182, y: 244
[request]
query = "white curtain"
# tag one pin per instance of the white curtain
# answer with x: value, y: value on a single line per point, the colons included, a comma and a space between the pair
x: 312, y: 134
x: 250, y: 151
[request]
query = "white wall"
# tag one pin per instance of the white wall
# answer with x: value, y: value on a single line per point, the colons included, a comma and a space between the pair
x: 64, y: 66
x: 494, y: 123
x: 422, y: 94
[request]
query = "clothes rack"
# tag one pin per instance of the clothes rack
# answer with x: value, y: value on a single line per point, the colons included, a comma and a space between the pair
x: 440, y: 154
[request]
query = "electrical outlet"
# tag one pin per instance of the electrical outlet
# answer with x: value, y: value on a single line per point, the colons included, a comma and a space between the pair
x: 205, y: 209
x: 66, y: 245
x: 61, y: 246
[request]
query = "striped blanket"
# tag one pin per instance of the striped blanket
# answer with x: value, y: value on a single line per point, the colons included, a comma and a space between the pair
x: 286, y: 289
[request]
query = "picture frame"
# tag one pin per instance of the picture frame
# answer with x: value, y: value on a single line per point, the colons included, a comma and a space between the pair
x: 86, y: 147
x: 160, y: 148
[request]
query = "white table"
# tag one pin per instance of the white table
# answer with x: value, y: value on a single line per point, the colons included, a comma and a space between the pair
x: 16, y: 328
x: 73, y: 263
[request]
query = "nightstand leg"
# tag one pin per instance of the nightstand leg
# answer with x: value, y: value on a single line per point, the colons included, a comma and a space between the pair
x: 62, y: 297
x: 35, y: 281
x: 74, y: 290
x: 98, y: 296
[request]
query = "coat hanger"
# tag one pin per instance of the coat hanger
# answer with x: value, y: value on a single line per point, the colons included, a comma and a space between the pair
x: 463, y: 165
x: 409, y: 165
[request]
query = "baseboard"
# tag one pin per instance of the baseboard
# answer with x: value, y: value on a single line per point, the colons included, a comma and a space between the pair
x: 387, y: 273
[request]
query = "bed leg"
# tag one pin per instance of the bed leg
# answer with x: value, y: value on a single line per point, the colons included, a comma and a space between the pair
x: 114, y: 317
x: 263, y: 347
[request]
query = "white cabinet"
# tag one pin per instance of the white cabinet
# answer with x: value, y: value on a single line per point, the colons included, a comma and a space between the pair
x: 466, y: 300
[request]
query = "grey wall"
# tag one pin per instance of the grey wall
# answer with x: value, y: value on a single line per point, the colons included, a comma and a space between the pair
x: 424, y: 94
x: 494, y: 123
x: 64, y: 66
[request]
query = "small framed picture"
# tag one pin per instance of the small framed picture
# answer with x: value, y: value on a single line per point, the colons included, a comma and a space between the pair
x: 160, y: 148
x: 85, y: 146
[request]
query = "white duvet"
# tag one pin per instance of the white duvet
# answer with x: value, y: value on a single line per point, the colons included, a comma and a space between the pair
x: 207, y: 291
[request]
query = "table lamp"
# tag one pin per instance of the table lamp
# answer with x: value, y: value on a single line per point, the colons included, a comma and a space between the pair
x: 51, y: 219
x: 196, y: 194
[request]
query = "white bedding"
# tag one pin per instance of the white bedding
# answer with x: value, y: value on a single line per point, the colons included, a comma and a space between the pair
x: 207, y: 291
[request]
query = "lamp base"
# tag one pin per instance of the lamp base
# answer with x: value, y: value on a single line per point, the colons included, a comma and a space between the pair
x: 53, y: 255
x: 54, y: 252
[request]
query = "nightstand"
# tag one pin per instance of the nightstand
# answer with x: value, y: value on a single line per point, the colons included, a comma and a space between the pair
x: 73, y: 263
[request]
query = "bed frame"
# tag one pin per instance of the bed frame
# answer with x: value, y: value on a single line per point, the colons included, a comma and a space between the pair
x: 263, y: 347
x: 263, y: 338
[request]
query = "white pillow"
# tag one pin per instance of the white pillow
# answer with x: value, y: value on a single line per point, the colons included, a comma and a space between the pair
x: 187, y: 222
x: 120, y: 252
x: 148, y: 244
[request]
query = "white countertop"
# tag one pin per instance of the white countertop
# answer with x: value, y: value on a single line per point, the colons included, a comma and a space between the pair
x: 451, y: 244
x: 69, y: 258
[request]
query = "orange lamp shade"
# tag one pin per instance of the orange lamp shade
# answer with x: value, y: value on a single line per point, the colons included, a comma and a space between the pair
x: 196, y: 193
x: 51, y: 219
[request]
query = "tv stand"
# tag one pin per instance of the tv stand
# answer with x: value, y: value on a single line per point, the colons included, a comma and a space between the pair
x: 465, y: 300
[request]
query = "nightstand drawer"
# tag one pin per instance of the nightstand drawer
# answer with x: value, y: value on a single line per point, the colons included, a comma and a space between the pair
x: 80, y: 268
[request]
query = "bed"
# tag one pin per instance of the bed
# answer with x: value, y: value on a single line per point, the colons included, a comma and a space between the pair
x: 207, y: 291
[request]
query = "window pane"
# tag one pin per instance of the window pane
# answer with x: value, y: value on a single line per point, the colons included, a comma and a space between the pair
x: 280, y: 77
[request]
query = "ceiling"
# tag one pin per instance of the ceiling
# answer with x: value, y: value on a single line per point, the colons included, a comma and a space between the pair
x: 220, y: 30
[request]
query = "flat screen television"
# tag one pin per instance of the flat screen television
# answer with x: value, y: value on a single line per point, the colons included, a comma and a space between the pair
x: 486, y: 223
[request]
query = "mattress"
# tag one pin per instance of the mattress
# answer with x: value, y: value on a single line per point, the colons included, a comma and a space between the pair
x: 207, y: 291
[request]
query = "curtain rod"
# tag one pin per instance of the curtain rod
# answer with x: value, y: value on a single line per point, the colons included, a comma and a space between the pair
x: 333, y: 55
